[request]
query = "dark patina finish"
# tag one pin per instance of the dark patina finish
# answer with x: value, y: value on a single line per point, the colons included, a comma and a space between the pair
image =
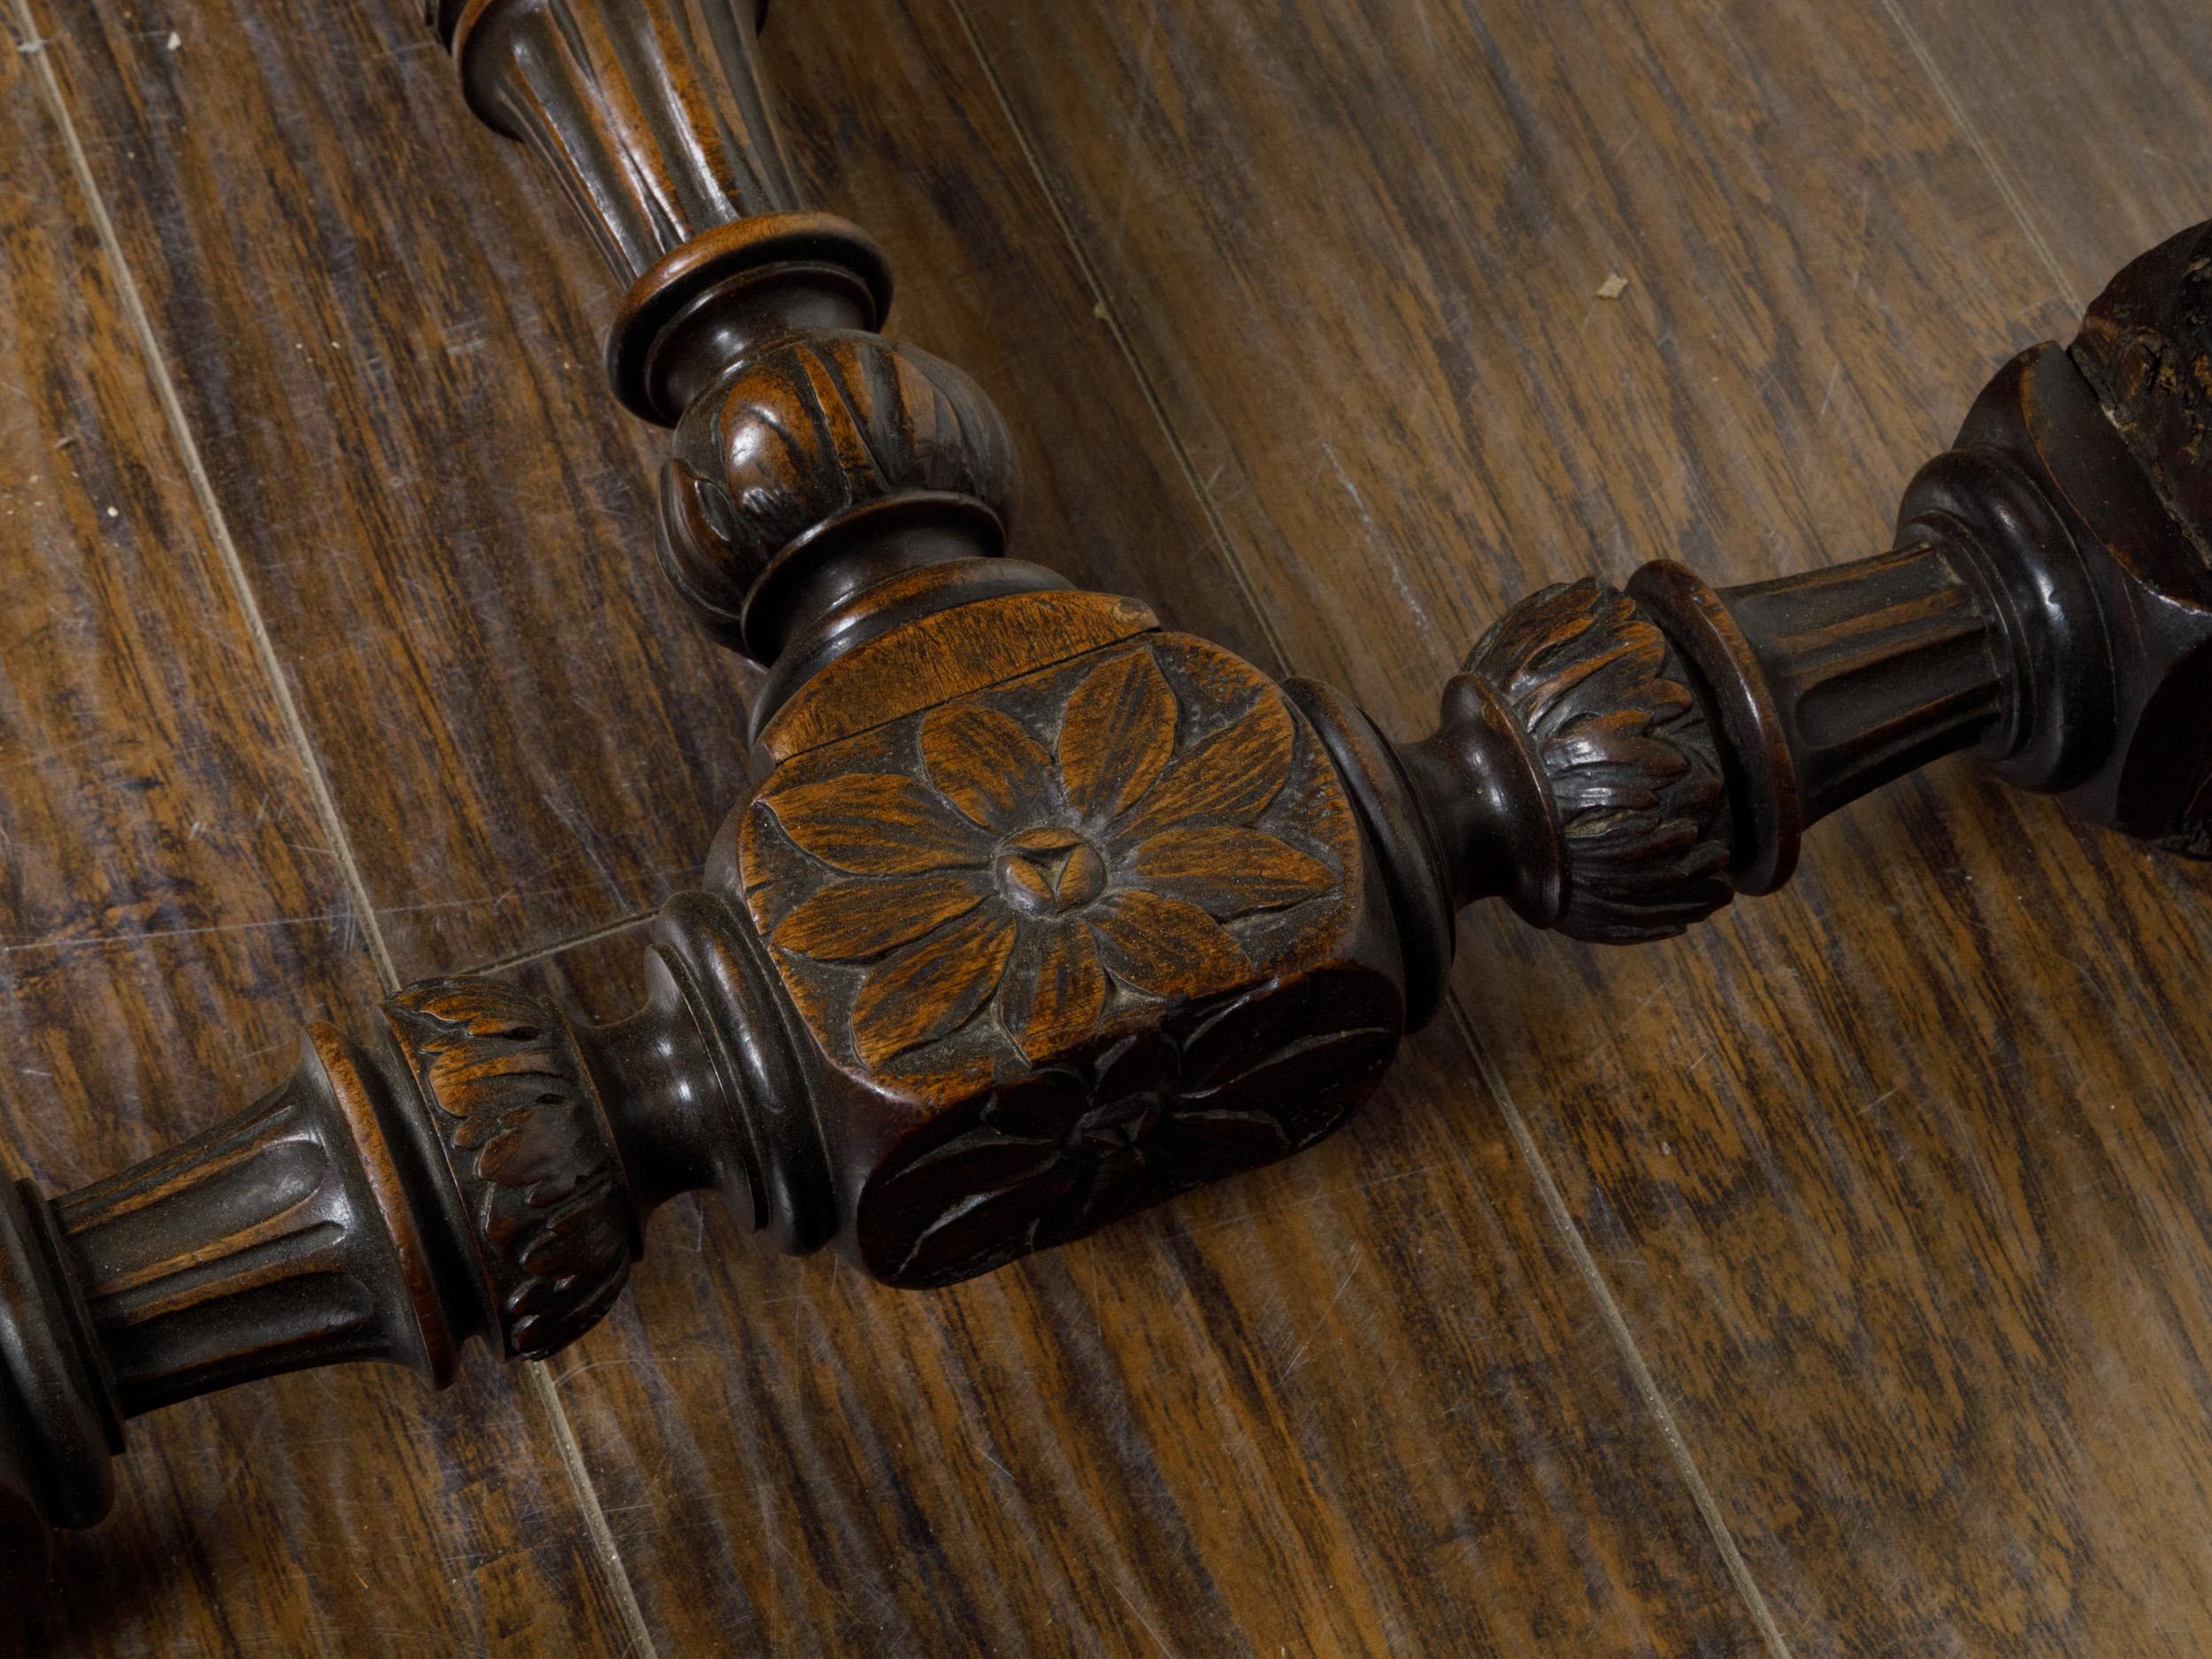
x: 1038, y: 913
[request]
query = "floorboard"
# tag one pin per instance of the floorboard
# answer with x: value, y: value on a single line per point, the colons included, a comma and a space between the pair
x: 1834, y: 1282
x: 169, y: 905
x: 1898, y: 1180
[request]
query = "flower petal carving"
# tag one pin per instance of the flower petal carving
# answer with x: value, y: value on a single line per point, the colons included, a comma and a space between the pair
x: 932, y: 989
x: 1051, y: 856
x: 1227, y: 1085
x: 1230, y: 776
x: 1220, y: 1048
x: 1164, y: 946
x: 984, y: 1162
x: 987, y: 765
x: 1230, y: 871
x: 1040, y: 1106
x: 1117, y: 1187
x: 878, y: 824
x: 1310, y: 1084
x: 1000, y: 1225
x: 855, y: 921
x: 1116, y: 735
x: 1054, y: 989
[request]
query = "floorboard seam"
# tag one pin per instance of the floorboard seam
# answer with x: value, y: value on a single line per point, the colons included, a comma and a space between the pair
x: 1640, y: 1377
x: 603, y: 1546
x: 1103, y: 308
x: 1644, y: 1384
x: 2014, y: 202
x: 157, y: 365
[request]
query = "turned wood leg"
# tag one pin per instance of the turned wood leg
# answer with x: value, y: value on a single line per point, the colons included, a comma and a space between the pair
x: 1620, y: 764
x: 1039, y: 913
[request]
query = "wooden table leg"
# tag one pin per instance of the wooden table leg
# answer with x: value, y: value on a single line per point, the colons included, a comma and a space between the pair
x: 1039, y: 914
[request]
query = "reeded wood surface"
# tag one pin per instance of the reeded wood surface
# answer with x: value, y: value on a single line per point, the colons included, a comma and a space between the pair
x: 1829, y: 1282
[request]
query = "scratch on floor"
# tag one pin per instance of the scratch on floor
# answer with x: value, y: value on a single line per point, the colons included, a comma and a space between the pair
x: 1298, y: 1356
x: 1138, y: 1614
x: 1377, y: 541
x: 2014, y: 202
x: 1835, y: 379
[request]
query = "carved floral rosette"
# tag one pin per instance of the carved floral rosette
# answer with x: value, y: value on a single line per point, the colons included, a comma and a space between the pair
x: 1227, y: 1086
x: 1077, y: 928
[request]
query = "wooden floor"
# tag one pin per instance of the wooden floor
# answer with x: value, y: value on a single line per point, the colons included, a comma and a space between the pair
x: 1838, y: 1281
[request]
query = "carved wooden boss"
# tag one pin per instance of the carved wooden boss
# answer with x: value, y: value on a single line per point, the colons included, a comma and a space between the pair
x: 1039, y: 913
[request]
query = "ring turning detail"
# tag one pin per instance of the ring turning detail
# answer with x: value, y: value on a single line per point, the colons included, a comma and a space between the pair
x: 1039, y: 912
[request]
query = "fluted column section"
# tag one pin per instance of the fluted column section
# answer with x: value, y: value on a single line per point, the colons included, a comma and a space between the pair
x: 654, y: 120
x: 273, y: 1241
x: 1876, y: 668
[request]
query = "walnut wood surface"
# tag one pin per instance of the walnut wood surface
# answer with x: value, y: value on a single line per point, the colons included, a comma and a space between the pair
x: 167, y: 876
x: 1373, y: 1400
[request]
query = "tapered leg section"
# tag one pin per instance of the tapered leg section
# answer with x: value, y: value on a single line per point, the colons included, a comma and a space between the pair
x: 1621, y: 764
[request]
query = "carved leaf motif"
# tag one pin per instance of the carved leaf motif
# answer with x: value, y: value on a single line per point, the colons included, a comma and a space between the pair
x: 878, y: 824
x: 1230, y: 871
x: 854, y: 921
x: 1634, y: 777
x: 985, y: 764
x: 528, y: 1150
x: 987, y: 1223
x: 1208, y: 1147
x: 1163, y: 945
x: 1230, y: 776
x: 1069, y: 1147
x: 1054, y: 990
x: 932, y: 989
x: 981, y: 1163
x: 821, y: 423
x: 1116, y: 735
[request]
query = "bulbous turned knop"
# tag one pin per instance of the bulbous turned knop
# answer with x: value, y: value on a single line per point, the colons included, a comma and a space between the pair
x: 805, y: 439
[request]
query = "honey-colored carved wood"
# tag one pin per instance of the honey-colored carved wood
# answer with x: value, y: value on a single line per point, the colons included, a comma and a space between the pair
x: 1035, y: 905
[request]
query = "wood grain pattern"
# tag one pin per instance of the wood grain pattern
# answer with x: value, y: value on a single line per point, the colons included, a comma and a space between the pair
x: 392, y: 367
x: 1859, y: 1236
x: 331, y: 309
x: 1896, y: 1179
x: 1355, y: 1400
x: 169, y: 890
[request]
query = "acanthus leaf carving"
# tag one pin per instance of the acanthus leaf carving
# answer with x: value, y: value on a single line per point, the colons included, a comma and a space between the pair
x: 529, y: 1151
x: 1634, y: 776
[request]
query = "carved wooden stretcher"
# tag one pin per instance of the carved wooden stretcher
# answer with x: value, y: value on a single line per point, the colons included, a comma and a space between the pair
x: 1039, y: 913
